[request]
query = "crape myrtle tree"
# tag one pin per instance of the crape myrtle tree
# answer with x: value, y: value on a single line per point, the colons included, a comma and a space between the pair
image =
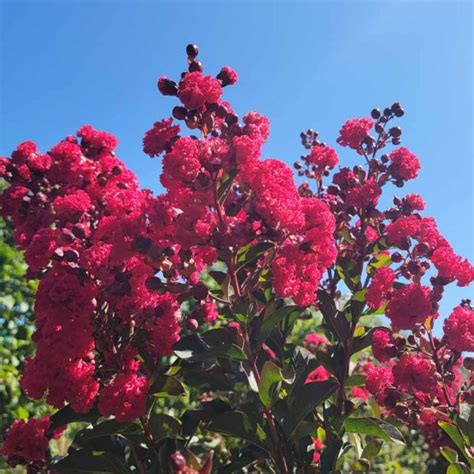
x: 144, y: 299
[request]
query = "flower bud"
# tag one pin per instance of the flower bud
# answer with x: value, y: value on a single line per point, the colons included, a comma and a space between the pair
x: 192, y: 50
x: 192, y: 324
x: 180, y: 113
x: 200, y: 291
x: 167, y: 86
x: 469, y: 363
x: 375, y: 113
x: 195, y: 66
x: 178, y: 461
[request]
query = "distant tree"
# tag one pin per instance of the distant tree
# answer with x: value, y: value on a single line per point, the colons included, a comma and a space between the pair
x: 16, y: 327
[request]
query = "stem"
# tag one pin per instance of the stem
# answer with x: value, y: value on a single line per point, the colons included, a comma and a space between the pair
x: 278, y: 456
x: 218, y: 299
x: 138, y: 462
x: 233, y: 277
x: 439, y: 368
x: 150, y: 441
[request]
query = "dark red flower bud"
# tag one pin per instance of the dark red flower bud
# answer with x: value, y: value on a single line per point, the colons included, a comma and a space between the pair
x: 71, y: 255
x: 167, y: 86
x: 397, y: 257
x: 195, y: 66
x: 153, y: 283
x: 192, y: 50
x: 395, y: 132
x: 375, y: 113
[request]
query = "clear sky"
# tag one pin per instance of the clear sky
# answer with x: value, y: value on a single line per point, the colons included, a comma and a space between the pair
x: 302, y: 63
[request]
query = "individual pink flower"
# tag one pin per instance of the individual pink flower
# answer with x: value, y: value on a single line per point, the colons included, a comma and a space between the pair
x: 322, y: 158
x: 409, y: 306
x: 380, y: 287
x: 377, y: 380
x: 365, y: 195
x: 195, y: 90
x: 157, y: 138
x: 27, y: 440
x: 72, y: 206
x: 124, y: 397
x: 415, y: 373
x: 354, y: 132
x: 400, y: 231
x: 405, y: 163
x: 415, y: 201
x: 383, y: 345
x: 459, y: 329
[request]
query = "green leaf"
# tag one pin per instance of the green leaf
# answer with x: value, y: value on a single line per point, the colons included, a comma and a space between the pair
x: 239, y: 425
x: 455, y: 434
x: 449, y: 454
x: 275, y: 318
x: 348, y: 271
x: 360, y: 295
x: 306, y: 399
x: 86, y: 462
x: 458, y: 468
x: 466, y: 420
x: 225, y: 186
x: 335, y: 320
x: 67, y: 415
x: 220, y: 342
x: 166, y: 385
x: 372, y: 449
x: 164, y: 426
x: 252, y: 253
x: 355, y: 381
x: 381, y: 259
x: 374, y: 427
x: 107, y: 428
x: 190, y: 347
x: 269, y: 380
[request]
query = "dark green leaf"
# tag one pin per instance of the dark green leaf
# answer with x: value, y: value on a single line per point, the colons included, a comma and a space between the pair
x: 225, y: 186
x: 67, y: 415
x: 374, y: 427
x: 164, y: 426
x: 166, y: 385
x: 348, y: 270
x: 335, y: 320
x: 270, y: 378
x: 190, y: 347
x: 372, y: 449
x: 107, y: 428
x: 85, y: 462
x: 306, y: 399
x: 275, y: 318
x: 239, y: 425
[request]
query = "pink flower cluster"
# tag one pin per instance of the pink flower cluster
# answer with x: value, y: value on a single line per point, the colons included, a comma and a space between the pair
x: 81, y: 220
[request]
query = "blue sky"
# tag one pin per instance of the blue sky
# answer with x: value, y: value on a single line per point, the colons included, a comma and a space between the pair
x: 302, y: 63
